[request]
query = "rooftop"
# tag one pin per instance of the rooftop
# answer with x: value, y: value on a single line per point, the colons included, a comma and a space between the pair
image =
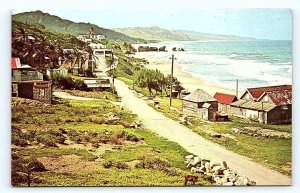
x: 279, y: 97
x: 199, y: 95
x: 259, y: 106
x: 225, y: 98
x: 256, y: 93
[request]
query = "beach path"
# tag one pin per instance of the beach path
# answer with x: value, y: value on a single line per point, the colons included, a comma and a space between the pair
x: 196, y: 144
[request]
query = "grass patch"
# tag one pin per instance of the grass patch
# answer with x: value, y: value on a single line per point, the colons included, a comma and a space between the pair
x: 55, y: 152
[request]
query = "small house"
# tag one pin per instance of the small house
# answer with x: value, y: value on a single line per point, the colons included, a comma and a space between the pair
x: 28, y: 83
x: 265, y: 105
x: 84, y: 38
x: 98, y: 36
x: 98, y: 84
x: 224, y: 101
x: 200, y: 104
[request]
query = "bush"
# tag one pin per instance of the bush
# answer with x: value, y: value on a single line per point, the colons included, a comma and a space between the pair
x: 107, y: 164
x: 153, y: 163
x: 121, y: 165
x: 67, y: 82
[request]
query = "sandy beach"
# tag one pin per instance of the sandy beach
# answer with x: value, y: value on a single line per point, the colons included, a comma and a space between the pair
x: 188, y: 81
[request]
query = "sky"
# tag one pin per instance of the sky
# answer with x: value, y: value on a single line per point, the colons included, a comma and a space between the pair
x: 273, y: 24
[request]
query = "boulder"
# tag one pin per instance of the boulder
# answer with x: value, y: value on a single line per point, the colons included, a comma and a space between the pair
x: 225, y: 166
x: 196, y: 161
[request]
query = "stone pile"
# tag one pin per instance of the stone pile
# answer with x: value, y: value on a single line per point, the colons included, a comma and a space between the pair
x: 218, y: 173
x: 260, y: 132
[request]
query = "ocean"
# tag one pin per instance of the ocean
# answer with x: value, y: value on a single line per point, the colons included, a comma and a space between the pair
x: 254, y: 63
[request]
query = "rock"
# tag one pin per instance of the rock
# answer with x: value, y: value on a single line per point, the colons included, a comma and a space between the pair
x: 189, y: 157
x: 216, y: 168
x: 236, y: 130
x: 212, y: 164
x: 215, y: 135
x: 196, y: 161
x: 228, y: 184
x: 207, y: 165
x: 239, y: 181
x: 220, y: 181
x: 225, y: 165
x: 197, y: 170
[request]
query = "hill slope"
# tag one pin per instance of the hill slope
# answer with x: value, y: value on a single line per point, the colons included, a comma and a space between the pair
x: 58, y: 24
x: 159, y: 34
x: 153, y: 33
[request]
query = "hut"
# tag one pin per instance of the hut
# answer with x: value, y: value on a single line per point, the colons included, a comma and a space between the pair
x: 200, y: 104
x: 224, y: 101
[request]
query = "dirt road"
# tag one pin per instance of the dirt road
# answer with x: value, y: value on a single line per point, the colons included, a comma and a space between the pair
x: 196, y: 144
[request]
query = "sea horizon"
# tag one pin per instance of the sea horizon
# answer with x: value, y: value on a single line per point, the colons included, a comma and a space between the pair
x: 263, y: 62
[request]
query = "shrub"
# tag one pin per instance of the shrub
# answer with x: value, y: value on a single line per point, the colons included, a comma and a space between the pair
x: 121, y: 165
x: 153, y: 163
x: 107, y: 164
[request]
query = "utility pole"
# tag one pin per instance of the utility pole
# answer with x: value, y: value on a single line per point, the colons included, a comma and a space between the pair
x: 237, y: 88
x: 171, y: 80
x: 113, y: 74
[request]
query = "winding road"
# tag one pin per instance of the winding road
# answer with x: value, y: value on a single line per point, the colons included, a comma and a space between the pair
x: 196, y: 144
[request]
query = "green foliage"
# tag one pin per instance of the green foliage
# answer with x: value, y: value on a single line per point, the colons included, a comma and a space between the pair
x: 67, y: 82
x: 55, y: 152
x: 57, y: 24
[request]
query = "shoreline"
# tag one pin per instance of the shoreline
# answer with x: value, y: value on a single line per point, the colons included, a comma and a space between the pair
x: 188, y: 81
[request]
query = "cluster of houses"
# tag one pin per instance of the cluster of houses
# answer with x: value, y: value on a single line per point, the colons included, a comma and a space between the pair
x: 88, y: 38
x: 272, y: 104
x: 28, y: 82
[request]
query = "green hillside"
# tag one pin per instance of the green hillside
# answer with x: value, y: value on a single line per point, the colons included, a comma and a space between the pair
x: 58, y: 24
x: 159, y: 34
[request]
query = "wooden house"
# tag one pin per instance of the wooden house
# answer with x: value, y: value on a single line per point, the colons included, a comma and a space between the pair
x: 200, y: 104
x: 265, y: 105
x: 224, y: 101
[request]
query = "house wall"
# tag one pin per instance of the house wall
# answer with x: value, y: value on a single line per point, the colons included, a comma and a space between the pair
x: 42, y: 91
x: 222, y: 107
x: 246, y: 96
x: 278, y: 115
x: 254, y: 115
x: 25, y: 90
x: 26, y: 75
x: 196, y: 110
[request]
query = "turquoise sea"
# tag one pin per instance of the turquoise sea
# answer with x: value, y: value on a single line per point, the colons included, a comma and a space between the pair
x: 253, y: 62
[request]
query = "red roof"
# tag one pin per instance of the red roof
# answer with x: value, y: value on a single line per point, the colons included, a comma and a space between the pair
x: 225, y: 98
x: 256, y: 93
x: 279, y: 97
x: 15, y: 63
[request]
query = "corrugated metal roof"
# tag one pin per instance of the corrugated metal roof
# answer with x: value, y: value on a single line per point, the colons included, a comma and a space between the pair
x: 279, y: 97
x: 199, y: 95
x: 257, y: 92
x: 249, y: 104
x: 225, y: 98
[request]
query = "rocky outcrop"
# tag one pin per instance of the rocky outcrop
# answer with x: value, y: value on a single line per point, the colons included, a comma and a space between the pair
x: 218, y: 173
x: 260, y: 132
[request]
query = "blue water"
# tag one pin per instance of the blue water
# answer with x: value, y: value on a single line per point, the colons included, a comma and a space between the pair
x: 254, y: 63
